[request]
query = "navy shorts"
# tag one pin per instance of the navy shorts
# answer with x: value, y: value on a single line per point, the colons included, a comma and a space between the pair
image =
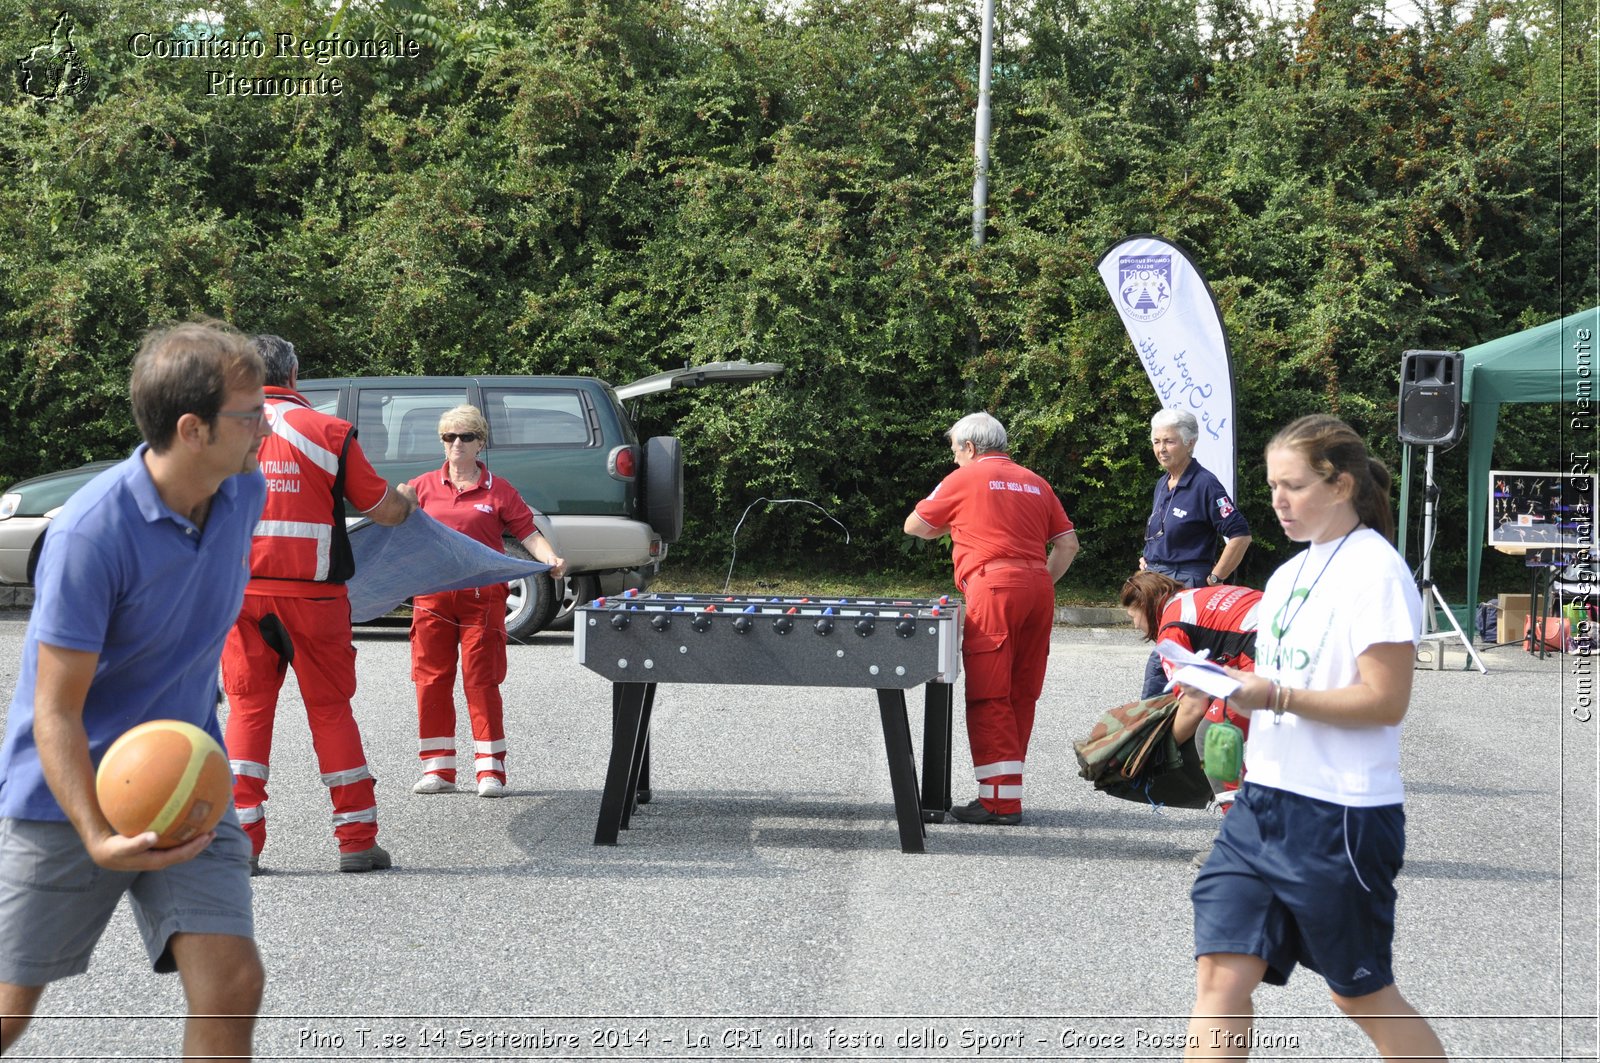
x: 47, y: 880
x: 1295, y: 880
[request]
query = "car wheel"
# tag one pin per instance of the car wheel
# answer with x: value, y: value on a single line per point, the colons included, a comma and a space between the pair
x: 33, y: 557
x: 663, y: 486
x: 571, y: 593
x: 532, y: 601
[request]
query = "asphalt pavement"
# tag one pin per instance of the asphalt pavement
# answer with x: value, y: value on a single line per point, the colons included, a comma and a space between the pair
x: 760, y: 906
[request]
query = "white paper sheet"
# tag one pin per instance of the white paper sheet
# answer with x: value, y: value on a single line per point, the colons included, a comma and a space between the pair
x: 1194, y: 670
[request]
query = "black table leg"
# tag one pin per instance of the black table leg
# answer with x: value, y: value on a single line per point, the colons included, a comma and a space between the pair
x: 937, y: 721
x: 628, y: 702
x: 1530, y: 635
x: 641, y: 755
x: 902, y: 768
x: 1538, y: 607
x: 641, y: 790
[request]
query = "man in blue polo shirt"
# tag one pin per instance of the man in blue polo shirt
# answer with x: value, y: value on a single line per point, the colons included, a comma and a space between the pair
x: 138, y: 581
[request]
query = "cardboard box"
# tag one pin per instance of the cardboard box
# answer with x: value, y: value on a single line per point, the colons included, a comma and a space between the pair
x: 1514, y: 609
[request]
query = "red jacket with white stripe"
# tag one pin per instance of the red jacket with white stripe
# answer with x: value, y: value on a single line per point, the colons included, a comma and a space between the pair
x: 293, y: 543
x: 1220, y: 619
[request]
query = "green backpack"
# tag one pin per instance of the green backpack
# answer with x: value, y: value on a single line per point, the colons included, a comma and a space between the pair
x: 1224, y: 759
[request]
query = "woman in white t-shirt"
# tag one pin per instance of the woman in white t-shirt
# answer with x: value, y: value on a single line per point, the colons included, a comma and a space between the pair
x: 1303, y: 871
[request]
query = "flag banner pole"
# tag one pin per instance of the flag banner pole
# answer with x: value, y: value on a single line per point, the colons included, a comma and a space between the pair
x: 1172, y: 318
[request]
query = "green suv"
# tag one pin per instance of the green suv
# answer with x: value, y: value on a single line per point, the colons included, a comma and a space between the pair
x: 612, y: 505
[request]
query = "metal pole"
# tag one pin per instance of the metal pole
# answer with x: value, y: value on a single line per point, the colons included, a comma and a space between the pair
x: 980, y: 180
x: 980, y: 149
x: 1430, y: 622
x: 1428, y: 492
x: 1404, y: 535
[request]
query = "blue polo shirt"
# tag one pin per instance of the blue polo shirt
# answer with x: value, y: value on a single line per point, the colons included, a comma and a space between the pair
x: 123, y: 576
x: 1185, y: 520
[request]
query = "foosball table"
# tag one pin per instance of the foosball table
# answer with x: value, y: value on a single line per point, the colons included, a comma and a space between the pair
x: 888, y: 645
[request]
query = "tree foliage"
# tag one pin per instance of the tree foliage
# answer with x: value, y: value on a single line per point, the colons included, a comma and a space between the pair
x: 613, y: 187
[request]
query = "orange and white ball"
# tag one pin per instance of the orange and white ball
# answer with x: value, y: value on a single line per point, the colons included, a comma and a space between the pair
x: 166, y: 776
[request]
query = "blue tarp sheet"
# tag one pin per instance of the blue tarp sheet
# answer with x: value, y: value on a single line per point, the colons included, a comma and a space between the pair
x: 421, y: 556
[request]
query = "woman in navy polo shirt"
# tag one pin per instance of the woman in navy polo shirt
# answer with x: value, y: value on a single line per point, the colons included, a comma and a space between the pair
x: 1190, y: 510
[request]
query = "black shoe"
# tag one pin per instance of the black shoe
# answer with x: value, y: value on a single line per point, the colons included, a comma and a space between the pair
x: 974, y: 812
x: 255, y: 867
x: 373, y: 859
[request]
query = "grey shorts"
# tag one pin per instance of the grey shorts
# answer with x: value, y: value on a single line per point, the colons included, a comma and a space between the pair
x: 55, y: 902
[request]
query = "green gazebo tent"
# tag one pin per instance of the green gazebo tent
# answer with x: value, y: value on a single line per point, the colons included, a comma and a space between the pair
x: 1553, y: 362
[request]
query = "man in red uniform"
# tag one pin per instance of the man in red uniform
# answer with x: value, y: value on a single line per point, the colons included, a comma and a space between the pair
x: 296, y: 610
x: 1000, y: 518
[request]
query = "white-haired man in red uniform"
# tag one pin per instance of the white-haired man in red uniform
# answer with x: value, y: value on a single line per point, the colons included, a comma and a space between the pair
x: 1012, y: 542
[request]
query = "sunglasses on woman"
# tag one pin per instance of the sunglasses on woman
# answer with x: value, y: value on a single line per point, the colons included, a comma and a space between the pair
x: 465, y: 437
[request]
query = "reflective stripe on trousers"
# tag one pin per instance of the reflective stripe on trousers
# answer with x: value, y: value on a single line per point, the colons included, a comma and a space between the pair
x: 1006, y: 643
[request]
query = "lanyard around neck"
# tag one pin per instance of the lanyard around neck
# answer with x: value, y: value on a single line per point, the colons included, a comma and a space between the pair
x: 1288, y: 623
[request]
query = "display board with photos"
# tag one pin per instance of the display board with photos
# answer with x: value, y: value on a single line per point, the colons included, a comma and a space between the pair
x: 1542, y: 510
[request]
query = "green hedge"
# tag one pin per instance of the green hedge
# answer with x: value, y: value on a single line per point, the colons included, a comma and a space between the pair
x: 618, y: 186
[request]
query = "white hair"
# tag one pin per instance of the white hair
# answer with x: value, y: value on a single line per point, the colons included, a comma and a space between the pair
x: 981, y: 430
x: 1184, y: 421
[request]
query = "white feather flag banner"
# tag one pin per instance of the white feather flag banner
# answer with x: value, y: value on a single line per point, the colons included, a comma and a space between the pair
x: 1177, y: 332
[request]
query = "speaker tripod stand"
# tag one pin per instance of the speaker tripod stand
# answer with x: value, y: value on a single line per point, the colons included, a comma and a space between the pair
x: 1431, y: 632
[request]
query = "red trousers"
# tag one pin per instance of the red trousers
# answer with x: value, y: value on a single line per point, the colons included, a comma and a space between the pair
x: 325, y: 667
x: 474, y: 621
x: 1004, y: 646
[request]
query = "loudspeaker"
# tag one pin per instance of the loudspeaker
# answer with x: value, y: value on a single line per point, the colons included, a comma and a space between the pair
x: 1430, y: 397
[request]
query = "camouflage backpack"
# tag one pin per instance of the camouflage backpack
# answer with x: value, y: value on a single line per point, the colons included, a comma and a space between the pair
x: 1131, y: 754
x: 1130, y: 742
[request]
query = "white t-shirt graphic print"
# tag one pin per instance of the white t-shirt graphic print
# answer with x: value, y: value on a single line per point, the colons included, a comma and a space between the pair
x: 1360, y: 594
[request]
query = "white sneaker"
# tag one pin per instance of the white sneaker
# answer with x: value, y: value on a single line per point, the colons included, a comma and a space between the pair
x: 489, y: 786
x: 433, y: 784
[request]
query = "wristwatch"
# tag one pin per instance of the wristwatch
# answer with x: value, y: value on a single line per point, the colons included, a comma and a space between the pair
x: 1212, y: 579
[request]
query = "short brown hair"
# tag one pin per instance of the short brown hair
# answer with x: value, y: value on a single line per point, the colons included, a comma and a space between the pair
x: 188, y: 368
x: 1332, y: 447
x: 1148, y: 593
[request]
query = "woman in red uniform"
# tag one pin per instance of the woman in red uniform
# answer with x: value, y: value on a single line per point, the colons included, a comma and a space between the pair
x: 1221, y: 621
x: 466, y: 496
